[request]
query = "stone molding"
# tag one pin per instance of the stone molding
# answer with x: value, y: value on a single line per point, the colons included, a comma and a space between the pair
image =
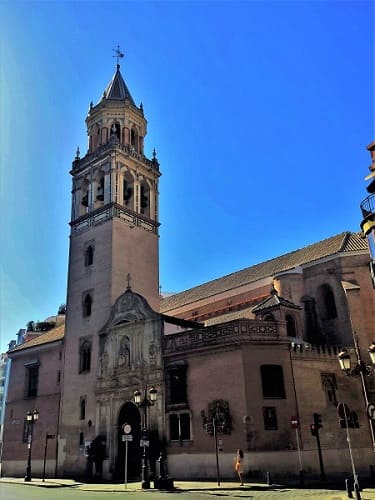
x: 239, y: 330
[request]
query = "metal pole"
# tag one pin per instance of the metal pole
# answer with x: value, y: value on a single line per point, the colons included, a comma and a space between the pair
x: 45, y: 458
x: 322, y: 473
x: 29, y: 446
x: 299, y: 457
x: 216, y: 451
x: 364, y: 388
x: 126, y: 464
x: 145, y: 481
x: 355, y: 477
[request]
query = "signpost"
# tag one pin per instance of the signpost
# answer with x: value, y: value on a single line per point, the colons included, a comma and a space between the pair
x: 126, y: 428
x: 344, y: 413
x: 294, y: 423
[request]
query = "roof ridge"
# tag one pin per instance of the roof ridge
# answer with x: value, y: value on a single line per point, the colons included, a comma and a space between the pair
x: 344, y: 234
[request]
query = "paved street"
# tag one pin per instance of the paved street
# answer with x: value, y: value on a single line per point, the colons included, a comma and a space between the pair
x: 16, y: 489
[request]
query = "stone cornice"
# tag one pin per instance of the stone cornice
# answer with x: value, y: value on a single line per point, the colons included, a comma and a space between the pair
x: 242, y: 331
x: 103, y: 152
x: 110, y: 211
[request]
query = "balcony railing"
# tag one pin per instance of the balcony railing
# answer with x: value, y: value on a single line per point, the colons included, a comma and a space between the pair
x: 368, y: 206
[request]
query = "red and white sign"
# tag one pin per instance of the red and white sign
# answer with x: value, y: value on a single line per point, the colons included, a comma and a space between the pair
x: 294, y: 422
x: 127, y: 428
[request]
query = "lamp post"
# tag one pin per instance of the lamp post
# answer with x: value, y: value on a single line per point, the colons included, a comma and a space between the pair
x: 360, y: 370
x: 31, y: 417
x: 145, y: 403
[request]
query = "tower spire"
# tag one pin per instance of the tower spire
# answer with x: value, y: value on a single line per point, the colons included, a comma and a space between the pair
x: 118, y: 55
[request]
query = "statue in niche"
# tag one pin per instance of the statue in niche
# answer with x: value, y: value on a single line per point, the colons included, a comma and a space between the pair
x: 124, y: 354
x: 103, y: 365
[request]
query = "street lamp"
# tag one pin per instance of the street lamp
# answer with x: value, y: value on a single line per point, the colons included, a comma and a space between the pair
x: 31, y: 417
x: 145, y: 403
x: 359, y: 370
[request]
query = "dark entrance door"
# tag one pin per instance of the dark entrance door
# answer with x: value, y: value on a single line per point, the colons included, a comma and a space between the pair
x: 129, y: 414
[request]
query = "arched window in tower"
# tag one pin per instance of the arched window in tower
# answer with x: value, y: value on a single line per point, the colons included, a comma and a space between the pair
x: 128, y: 191
x: 87, y: 305
x: 291, y: 329
x: 96, y: 137
x: 116, y: 130
x: 100, y: 189
x: 84, y: 357
x: 145, y: 199
x: 134, y: 138
x: 84, y: 198
x: 327, y: 302
x: 89, y: 256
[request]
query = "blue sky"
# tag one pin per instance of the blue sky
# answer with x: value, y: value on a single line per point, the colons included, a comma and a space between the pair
x: 260, y: 113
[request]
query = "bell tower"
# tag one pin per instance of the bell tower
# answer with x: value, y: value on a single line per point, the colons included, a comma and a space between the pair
x: 114, y: 245
x: 115, y: 194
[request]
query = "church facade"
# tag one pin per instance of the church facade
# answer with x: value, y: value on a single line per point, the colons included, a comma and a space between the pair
x: 244, y: 361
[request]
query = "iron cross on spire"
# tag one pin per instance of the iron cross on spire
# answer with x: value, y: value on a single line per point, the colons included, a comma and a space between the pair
x: 118, y: 54
x: 128, y: 279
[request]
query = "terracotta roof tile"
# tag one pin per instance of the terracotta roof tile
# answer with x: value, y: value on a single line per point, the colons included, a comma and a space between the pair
x: 44, y: 338
x: 343, y: 242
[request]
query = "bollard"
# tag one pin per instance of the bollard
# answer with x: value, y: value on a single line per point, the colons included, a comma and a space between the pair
x: 348, y: 488
x: 162, y: 481
x: 269, y: 482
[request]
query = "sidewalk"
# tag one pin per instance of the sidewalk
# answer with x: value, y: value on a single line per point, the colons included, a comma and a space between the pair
x: 209, y: 487
x: 133, y: 486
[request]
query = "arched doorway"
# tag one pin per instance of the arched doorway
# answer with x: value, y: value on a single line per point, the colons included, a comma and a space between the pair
x: 129, y: 414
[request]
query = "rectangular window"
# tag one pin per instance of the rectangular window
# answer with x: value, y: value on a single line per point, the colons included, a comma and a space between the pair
x: 272, y: 381
x: 177, y: 385
x: 32, y: 376
x: 185, y: 426
x: 179, y: 427
x: 82, y: 408
x: 270, y: 418
x: 174, y: 432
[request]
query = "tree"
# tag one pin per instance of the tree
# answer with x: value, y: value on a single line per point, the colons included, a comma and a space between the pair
x: 62, y: 309
x: 30, y: 326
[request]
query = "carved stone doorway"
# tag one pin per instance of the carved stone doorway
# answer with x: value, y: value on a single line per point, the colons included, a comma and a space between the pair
x: 129, y: 414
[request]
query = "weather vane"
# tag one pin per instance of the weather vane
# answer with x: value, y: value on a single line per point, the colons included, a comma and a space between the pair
x: 128, y: 278
x: 118, y: 54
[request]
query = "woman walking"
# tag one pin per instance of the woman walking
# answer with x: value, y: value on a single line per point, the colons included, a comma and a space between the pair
x: 238, y: 464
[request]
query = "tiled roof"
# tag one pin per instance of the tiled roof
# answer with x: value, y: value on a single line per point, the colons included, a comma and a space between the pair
x: 44, y: 338
x: 341, y: 243
x: 117, y: 89
x: 230, y: 316
x: 274, y: 301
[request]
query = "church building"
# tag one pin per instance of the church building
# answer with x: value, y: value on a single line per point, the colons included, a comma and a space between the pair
x: 249, y: 360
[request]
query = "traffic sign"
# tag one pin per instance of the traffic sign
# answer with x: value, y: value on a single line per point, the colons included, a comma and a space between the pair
x: 144, y: 442
x: 294, y: 422
x: 371, y: 411
x: 127, y: 437
x: 126, y: 428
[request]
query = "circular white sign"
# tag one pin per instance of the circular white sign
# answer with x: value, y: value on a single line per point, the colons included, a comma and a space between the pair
x: 127, y: 428
x: 371, y: 411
